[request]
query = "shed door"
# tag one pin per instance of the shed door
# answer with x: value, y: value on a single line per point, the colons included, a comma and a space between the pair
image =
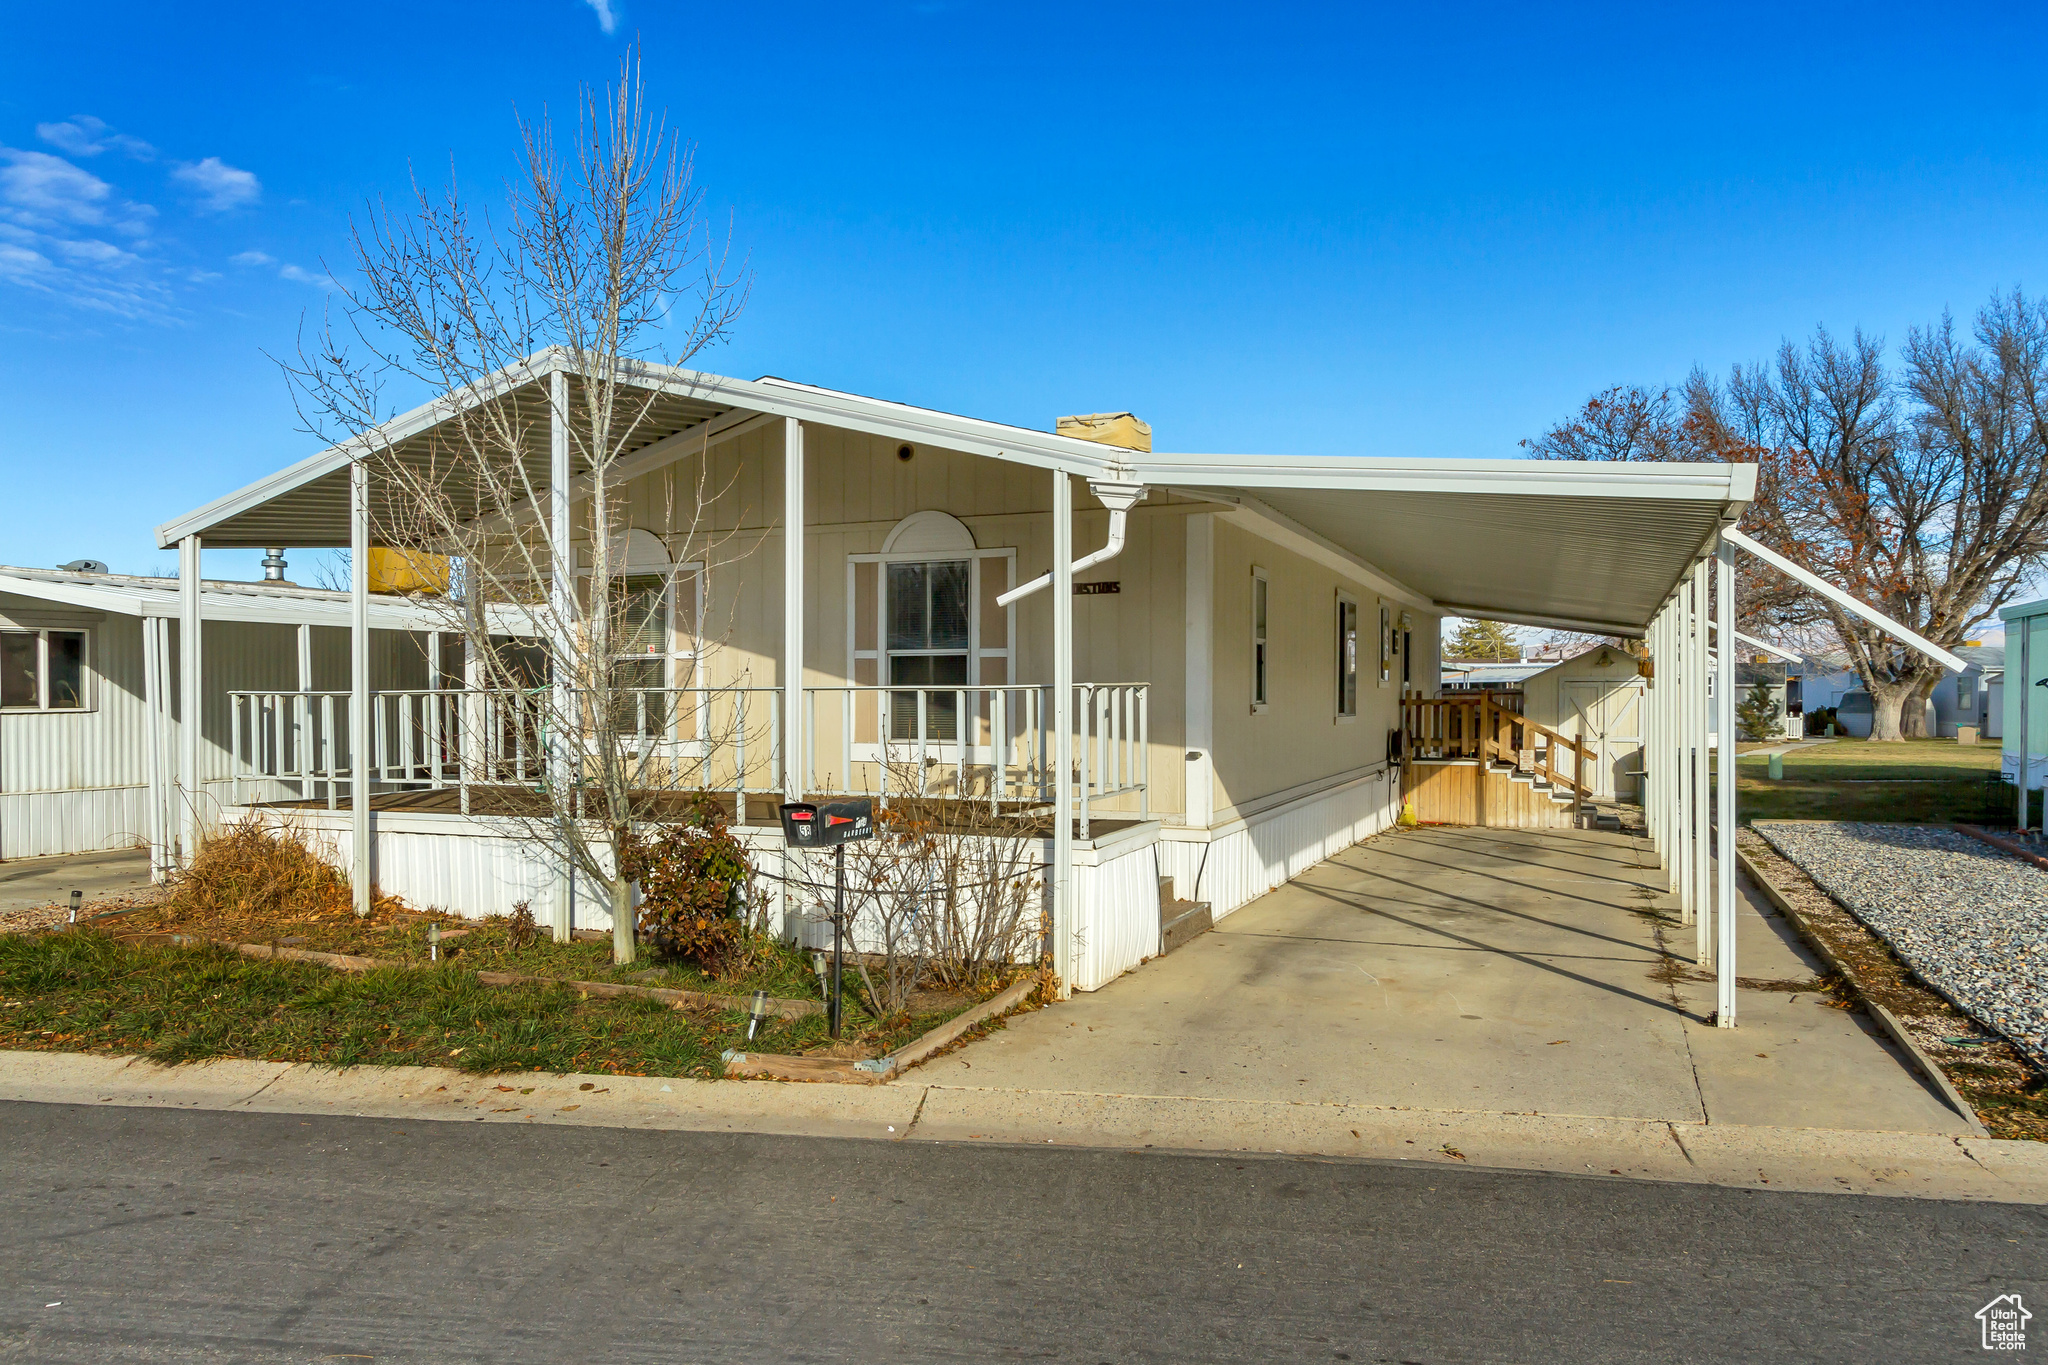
x: 1609, y: 719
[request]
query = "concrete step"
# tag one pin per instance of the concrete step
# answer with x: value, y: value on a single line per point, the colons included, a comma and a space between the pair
x: 1180, y: 922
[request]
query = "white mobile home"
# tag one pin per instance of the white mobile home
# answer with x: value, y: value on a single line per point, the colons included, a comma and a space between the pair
x: 1240, y: 681
x: 91, y: 709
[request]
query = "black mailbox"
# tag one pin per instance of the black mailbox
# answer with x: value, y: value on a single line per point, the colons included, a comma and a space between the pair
x: 826, y: 824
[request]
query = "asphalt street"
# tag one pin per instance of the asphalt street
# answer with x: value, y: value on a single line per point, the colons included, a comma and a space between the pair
x: 164, y: 1235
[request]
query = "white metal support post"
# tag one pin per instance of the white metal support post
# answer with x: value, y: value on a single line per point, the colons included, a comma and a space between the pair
x: 1674, y: 722
x: 1702, y: 827
x: 1667, y: 751
x: 2026, y: 805
x: 302, y: 715
x: 1063, y: 729
x: 561, y: 709
x: 191, y: 703
x: 360, y: 866
x: 1201, y: 573
x: 792, y: 610
x: 470, y: 745
x: 153, y: 744
x: 1724, y: 701
x: 1653, y: 702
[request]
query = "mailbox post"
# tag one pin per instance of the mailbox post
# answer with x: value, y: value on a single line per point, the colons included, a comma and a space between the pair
x: 833, y: 825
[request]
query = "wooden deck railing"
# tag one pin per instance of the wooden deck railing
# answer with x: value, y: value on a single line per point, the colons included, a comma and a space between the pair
x: 1482, y: 729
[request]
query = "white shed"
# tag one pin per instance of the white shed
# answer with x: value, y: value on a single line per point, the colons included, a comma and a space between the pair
x: 1595, y: 697
x: 90, y: 708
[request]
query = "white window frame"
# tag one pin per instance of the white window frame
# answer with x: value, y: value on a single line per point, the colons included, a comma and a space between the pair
x: 979, y: 563
x: 1343, y: 717
x: 1386, y: 643
x: 672, y: 656
x: 88, y: 674
x: 1261, y: 637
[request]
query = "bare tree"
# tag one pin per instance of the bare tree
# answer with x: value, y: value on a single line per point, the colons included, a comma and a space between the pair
x: 1924, y: 492
x: 605, y: 257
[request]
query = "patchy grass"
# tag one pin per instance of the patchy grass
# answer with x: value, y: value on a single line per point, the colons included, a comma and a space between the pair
x: 1917, y: 781
x: 88, y: 992
x: 253, y: 885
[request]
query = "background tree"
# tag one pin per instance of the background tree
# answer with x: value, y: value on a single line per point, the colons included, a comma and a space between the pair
x: 1483, y: 640
x: 605, y: 256
x: 1756, y: 715
x: 1923, y: 491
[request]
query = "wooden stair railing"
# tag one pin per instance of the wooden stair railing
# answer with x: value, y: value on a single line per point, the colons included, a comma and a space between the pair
x: 1445, y: 727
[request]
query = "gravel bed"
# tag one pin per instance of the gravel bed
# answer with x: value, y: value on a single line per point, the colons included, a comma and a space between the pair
x: 1972, y: 922
x: 33, y: 917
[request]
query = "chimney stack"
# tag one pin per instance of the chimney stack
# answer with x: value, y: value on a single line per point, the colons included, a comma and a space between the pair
x: 1108, y: 428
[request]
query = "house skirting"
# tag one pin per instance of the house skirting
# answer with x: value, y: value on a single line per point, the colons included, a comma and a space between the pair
x: 476, y: 867
x: 46, y: 824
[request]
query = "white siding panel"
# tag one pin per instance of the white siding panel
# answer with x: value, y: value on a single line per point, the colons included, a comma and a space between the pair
x: 1116, y: 915
x: 1271, y: 850
x: 87, y: 820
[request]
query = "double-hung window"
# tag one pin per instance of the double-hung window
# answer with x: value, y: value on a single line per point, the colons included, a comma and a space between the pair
x: 928, y: 641
x: 640, y: 654
x: 43, y: 670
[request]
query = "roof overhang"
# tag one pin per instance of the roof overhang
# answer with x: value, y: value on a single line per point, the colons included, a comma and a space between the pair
x: 1581, y: 546
x: 1575, y: 545
x: 306, y: 504
x: 255, y: 603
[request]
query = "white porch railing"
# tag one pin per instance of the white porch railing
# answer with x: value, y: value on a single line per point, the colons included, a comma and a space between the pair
x: 991, y: 743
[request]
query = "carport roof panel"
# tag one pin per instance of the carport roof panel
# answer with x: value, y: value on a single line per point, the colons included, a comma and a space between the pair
x: 1540, y: 540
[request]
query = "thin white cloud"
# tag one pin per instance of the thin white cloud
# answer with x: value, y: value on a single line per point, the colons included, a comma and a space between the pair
x: 51, y: 189
x: 84, y: 135
x: 222, y: 187
x: 285, y: 270
x: 54, y: 223
x: 606, y: 19
x: 83, y: 272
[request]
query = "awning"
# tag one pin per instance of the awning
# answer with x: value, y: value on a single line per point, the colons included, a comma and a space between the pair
x: 1576, y: 545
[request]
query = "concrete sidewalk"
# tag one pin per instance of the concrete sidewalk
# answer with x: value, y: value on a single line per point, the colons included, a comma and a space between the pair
x: 29, y: 882
x: 1920, y: 1165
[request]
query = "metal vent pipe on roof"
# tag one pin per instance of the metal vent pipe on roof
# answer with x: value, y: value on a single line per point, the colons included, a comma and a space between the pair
x: 273, y: 565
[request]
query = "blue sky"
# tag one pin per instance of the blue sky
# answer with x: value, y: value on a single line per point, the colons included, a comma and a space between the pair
x: 1426, y: 230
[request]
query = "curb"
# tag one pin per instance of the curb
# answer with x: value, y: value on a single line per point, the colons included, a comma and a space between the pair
x: 1817, y: 1161
x: 1886, y: 1020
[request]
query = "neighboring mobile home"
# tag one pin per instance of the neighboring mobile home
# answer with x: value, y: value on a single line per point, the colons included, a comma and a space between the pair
x: 1223, y: 699
x: 90, y: 697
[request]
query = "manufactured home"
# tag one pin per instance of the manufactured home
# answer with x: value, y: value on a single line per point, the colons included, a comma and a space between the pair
x: 1225, y: 670
x: 92, y: 703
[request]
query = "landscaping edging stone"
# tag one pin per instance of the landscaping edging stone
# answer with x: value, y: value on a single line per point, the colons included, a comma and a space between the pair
x: 610, y: 990
x: 878, y: 1070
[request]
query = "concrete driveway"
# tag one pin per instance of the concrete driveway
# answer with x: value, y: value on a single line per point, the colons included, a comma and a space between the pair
x: 1505, y: 971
